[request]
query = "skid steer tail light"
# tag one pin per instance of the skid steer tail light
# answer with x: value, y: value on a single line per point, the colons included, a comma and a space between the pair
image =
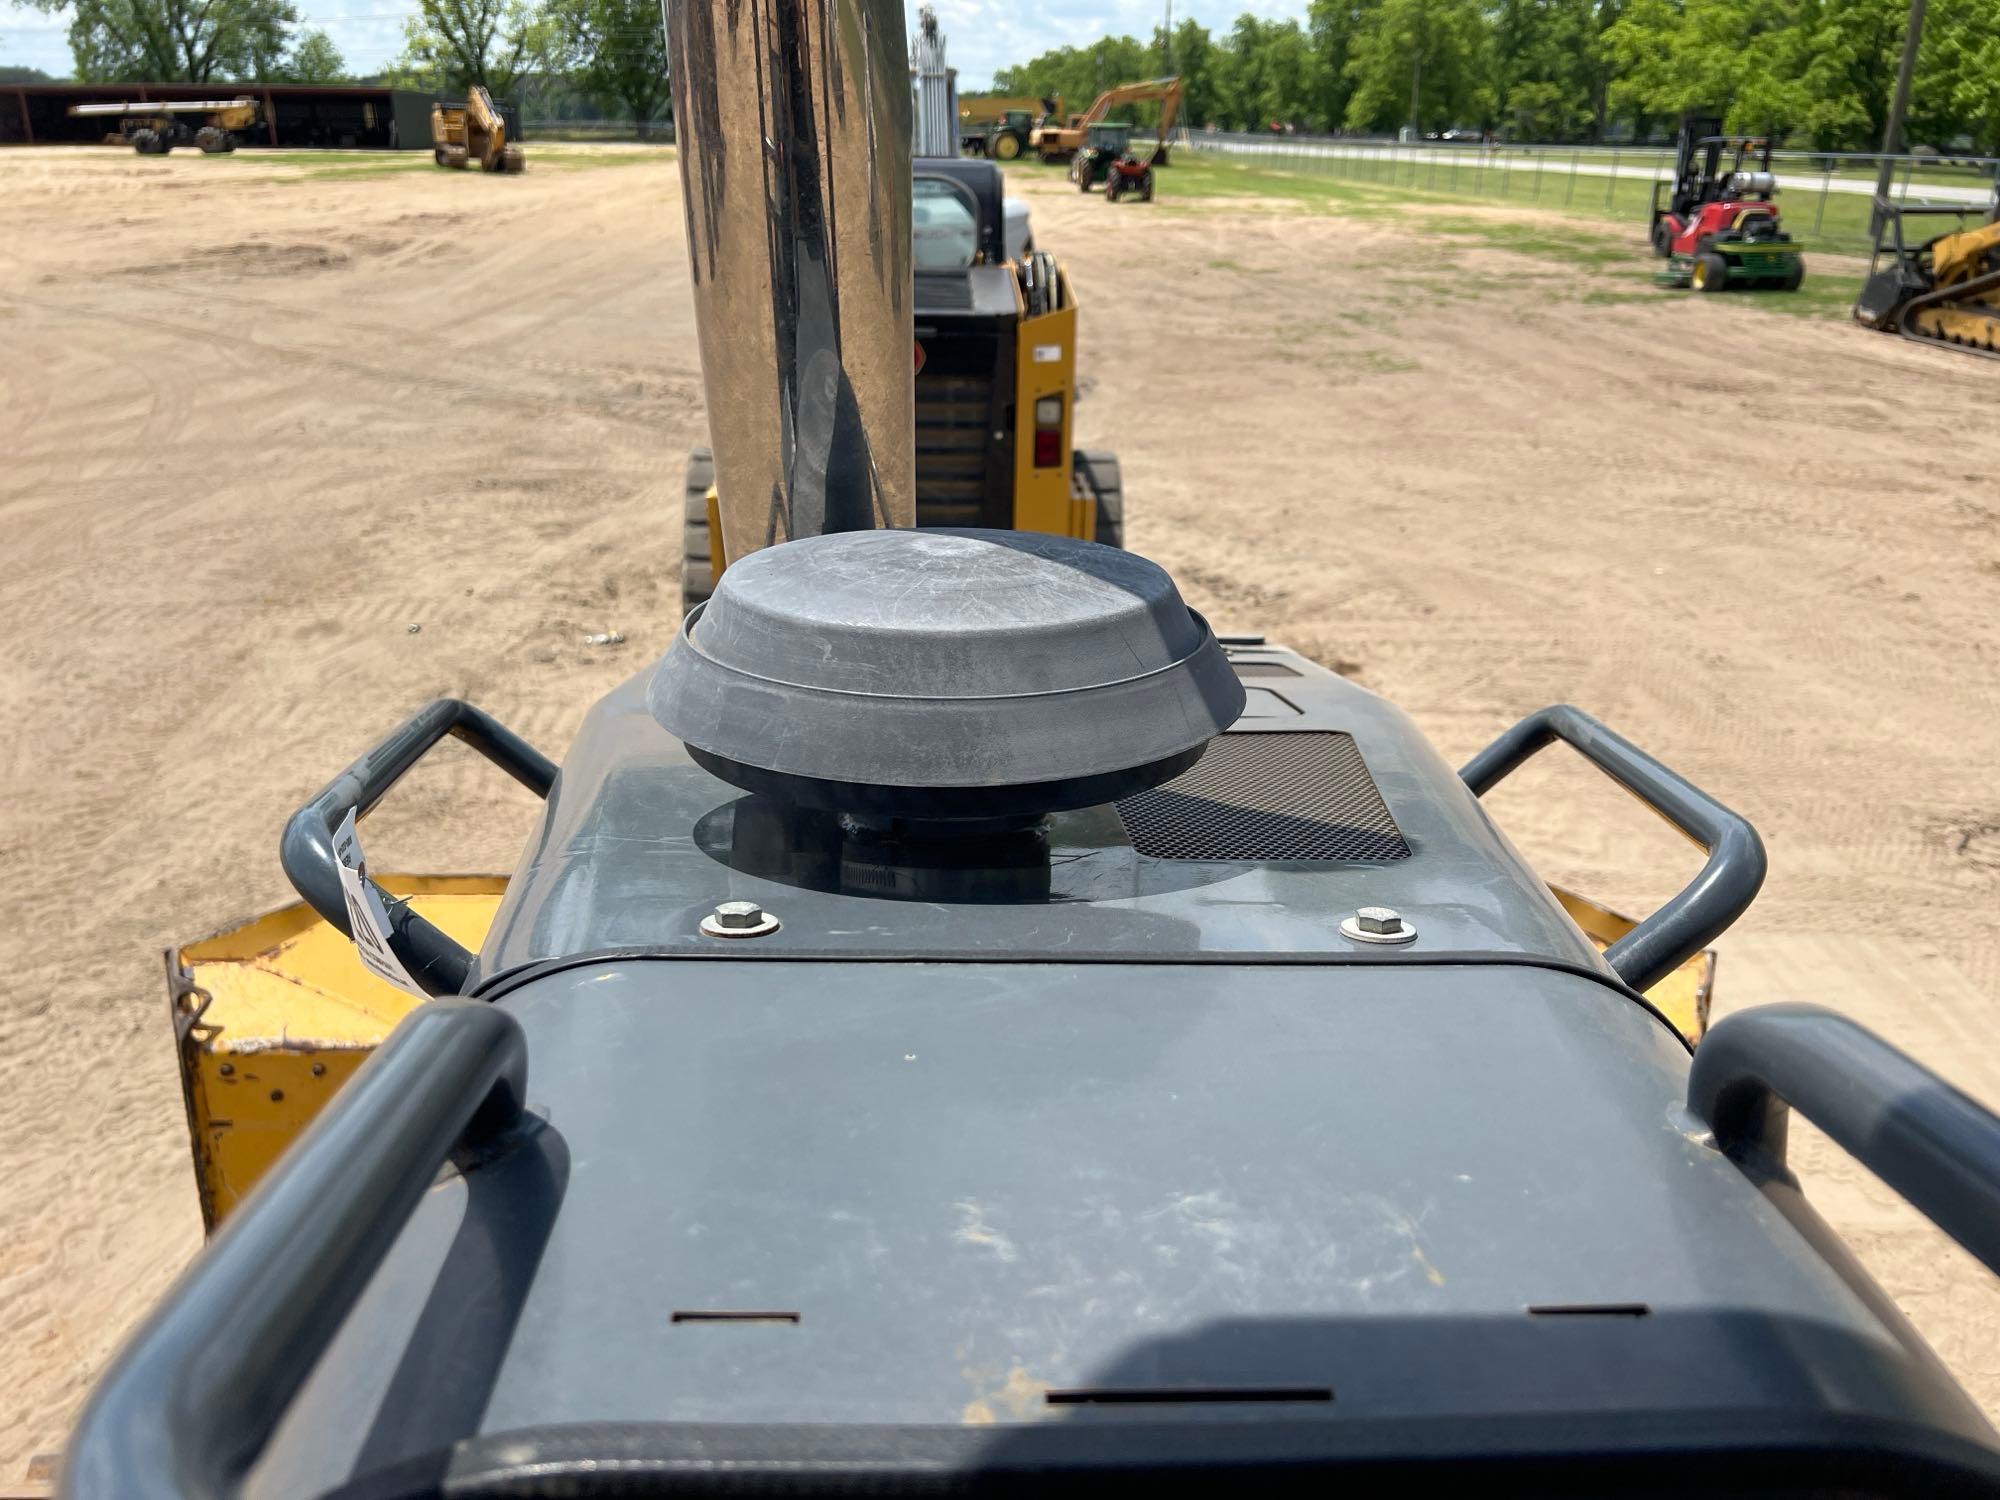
x: 1048, y: 432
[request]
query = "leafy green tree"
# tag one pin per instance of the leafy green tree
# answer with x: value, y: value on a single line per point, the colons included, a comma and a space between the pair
x: 1423, y: 63
x: 1331, y: 25
x: 1194, y: 60
x: 492, y: 43
x: 314, y: 59
x: 619, y: 52
x: 174, y: 41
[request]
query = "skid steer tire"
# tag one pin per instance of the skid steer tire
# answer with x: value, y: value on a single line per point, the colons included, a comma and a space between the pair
x: 211, y: 140
x: 457, y: 158
x: 1711, y: 272
x: 697, y: 569
x: 143, y: 141
x: 1107, y: 486
x: 513, y: 160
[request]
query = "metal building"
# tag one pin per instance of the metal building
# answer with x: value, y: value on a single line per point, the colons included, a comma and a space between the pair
x: 364, y: 116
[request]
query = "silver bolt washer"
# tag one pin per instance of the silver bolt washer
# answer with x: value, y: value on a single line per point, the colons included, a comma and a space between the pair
x: 739, y: 919
x: 1351, y: 927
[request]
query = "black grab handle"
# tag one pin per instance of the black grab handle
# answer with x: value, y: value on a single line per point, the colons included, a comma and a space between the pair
x: 434, y: 960
x: 1939, y: 1149
x: 197, y: 1391
x: 1711, y: 901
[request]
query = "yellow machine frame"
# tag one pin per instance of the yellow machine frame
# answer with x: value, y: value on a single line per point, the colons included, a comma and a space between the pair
x: 273, y: 1015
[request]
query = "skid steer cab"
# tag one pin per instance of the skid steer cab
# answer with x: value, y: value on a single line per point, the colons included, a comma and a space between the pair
x: 1719, y: 227
x: 996, y: 329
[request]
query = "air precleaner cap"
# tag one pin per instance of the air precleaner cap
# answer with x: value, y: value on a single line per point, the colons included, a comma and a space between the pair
x: 945, y: 674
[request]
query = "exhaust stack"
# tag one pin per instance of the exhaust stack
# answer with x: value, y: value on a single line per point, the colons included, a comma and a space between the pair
x: 793, y: 121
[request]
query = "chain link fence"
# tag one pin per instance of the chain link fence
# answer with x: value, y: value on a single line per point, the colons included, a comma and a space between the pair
x: 652, y: 133
x: 1826, y: 197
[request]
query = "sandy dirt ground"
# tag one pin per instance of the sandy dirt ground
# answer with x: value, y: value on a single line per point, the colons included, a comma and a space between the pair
x: 258, y: 425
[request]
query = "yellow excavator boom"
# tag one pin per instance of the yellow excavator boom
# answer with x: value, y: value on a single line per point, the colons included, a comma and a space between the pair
x: 1058, y: 142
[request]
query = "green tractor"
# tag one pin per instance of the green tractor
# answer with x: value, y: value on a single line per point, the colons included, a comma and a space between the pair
x: 1007, y: 137
x: 1103, y: 149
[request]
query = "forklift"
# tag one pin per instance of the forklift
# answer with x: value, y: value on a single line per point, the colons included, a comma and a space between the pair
x: 1719, y: 226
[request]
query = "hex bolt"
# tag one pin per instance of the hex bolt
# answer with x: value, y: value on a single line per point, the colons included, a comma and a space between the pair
x: 1377, y: 924
x: 738, y: 919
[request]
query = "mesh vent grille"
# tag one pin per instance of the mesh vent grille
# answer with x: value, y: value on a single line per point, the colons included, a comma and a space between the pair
x: 1263, y: 669
x: 1301, y: 796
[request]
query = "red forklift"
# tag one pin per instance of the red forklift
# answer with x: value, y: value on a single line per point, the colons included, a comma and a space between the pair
x: 1719, y: 228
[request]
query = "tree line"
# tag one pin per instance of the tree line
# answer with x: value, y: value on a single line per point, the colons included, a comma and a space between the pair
x: 561, y: 59
x: 1816, y: 73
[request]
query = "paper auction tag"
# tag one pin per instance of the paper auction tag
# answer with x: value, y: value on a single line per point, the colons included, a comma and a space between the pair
x: 366, y: 914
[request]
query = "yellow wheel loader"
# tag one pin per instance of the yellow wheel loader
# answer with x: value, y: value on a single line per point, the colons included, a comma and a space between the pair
x: 474, y: 131
x: 1944, y: 290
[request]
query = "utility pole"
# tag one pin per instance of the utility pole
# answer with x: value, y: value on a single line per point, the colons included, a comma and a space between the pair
x: 1892, y: 136
x: 1416, y: 86
x: 1167, y: 38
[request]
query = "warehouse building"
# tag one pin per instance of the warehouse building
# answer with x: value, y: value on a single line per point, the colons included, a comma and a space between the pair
x: 357, y: 116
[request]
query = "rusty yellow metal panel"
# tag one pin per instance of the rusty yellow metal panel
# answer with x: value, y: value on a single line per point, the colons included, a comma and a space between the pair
x: 1045, y: 365
x: 1682, y: 997
x: 273, y: 1015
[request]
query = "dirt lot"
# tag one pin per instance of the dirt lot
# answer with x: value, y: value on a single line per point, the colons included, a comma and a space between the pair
x: 290, y: 449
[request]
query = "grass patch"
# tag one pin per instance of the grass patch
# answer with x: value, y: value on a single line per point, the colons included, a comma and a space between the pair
x: 1238, y: 267
x: 1822, y: 297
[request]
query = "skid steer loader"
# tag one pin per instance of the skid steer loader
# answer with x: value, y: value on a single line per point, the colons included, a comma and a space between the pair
x: 995, y: 335
x: 1940, y: 290
x: 959, y: 1025
x: 474, y: 130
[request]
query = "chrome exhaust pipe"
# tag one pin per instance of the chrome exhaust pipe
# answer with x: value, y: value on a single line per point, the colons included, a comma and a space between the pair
x: 793, y: 120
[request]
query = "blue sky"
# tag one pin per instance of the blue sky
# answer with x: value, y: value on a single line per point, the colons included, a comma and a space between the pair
x: 983, y: 34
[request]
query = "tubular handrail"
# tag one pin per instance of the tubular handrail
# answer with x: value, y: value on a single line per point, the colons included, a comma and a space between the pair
x: 195, y: 1394
x: 435, y: 960
x: 1715, y: 898
x: 1934, y: 1145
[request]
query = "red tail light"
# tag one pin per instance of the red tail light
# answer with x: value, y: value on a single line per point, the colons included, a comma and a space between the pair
x: 1048, y: 432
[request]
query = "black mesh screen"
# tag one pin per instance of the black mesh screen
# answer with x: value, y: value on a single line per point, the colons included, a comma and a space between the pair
x: 1263, y: 669
x: 1303, y: 796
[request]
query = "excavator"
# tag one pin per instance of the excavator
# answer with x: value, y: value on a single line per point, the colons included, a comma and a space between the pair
x: 474, y: 131
x: 155, y: 127
x: 961, y: 1024
x: 1054, y: 142
x: 1942, y: 290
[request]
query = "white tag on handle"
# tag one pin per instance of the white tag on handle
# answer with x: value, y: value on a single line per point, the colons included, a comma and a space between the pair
x: 365, y: 912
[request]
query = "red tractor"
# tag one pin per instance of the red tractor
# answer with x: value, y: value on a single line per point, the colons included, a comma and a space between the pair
x: 1129, y: 178
x: 1720, y: 229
